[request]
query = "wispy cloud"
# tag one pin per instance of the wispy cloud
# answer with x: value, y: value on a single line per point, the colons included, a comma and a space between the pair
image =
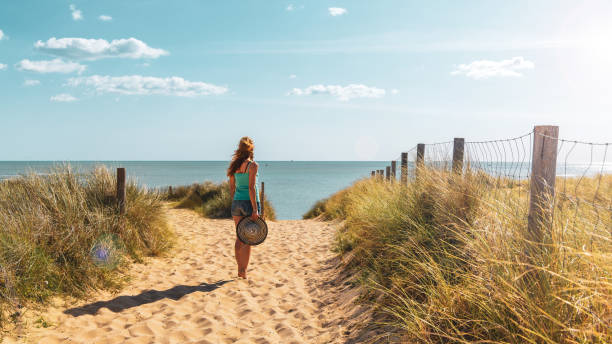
x: 30, y: 82
x: 1, y: 35
x: 403, y: 42
x: 51, y: 66
x: 342, y: 93
x: 147, y: 85
x: 76, y: 14
x: 292, y: 76
x: 2, y: 66
x: 63, y: 98
x: 484, y: 69
x: 336, y: 11
x: 104, y: 17
x: 292, y: 7
x: 94, y: 49
x: 395, y: 91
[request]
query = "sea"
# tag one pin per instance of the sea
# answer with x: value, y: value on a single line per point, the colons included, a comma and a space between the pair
x: 292, y: 186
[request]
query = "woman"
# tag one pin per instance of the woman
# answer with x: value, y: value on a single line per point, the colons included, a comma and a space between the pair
x: 242, y: 173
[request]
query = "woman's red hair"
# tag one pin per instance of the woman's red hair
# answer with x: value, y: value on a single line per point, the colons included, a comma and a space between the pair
x: 244, y: 152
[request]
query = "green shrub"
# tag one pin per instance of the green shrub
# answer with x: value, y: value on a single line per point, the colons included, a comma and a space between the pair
x: 212, y: 200
x: 61, y: 233
x: 448, y: 261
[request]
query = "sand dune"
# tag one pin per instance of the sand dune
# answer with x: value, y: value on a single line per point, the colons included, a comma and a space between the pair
x: 192, y: 296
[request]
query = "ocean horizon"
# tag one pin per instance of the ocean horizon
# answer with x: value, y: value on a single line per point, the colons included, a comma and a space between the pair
x: 292, y: 186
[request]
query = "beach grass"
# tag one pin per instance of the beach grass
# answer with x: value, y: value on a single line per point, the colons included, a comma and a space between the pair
x: 61, y: 233
x: 209, y: 199
x: 447, y: 259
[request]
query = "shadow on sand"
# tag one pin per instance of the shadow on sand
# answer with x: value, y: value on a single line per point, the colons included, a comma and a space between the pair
x: 121, y: 303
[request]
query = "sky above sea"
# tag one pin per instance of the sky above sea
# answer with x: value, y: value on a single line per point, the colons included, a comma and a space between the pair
x: 307, y: 80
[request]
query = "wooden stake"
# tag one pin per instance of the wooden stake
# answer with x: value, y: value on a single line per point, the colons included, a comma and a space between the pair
x: 458, y: 149
x: 393, y: 169
x: 420, y: 158
x: 262, y: 199
x: 388, y: 173
x: 543, y: 174
x: 121, y: 189
x: 404, y: 176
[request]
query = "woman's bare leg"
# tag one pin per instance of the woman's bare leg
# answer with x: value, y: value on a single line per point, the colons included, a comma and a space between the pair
x: 243, y: 253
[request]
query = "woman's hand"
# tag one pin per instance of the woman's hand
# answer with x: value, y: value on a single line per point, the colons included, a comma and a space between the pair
x: 255, y: 215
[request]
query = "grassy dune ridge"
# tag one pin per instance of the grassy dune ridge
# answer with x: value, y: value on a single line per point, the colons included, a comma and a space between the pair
x: 209, y: 199
x: 446, y: 259
x: 60, y: 233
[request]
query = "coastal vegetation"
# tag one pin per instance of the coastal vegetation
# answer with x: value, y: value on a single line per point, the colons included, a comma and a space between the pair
x: 209, y: 199
x: 61, y: 234
x: 446, y: 259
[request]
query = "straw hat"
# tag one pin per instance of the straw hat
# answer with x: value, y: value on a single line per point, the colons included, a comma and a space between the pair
x: 252, y: 232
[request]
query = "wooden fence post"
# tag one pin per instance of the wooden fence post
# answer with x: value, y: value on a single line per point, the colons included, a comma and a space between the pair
x: 388, y: 173
x: 420, y: 158
x: 543, y: 174
x: 404, y: 171
x: 262, y: 199
x: 121, y: 189
x: 458, y: 149
x: 393, y: 170
x: 373, y: 173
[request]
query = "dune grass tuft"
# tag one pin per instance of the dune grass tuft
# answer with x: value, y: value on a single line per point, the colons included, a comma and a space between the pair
x: 60, y: 233
x: 210, y: 199
x: 446, y: 259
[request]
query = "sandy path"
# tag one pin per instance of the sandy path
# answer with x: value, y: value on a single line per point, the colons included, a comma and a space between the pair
x: 193, y: 296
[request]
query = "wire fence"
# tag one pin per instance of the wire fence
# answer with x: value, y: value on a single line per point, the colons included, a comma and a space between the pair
x: 548, y: 202
x: 580, y: 176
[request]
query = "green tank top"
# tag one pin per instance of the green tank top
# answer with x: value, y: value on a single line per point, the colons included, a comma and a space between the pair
x: 242, y: 185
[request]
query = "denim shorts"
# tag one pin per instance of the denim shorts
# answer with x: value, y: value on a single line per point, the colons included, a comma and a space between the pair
x: 244, y: 208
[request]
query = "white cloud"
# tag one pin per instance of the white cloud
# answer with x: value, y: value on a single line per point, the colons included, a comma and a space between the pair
x: 30, y: 82
x: 76, y: 14
x: 51, y: 66
x: 292, y: 76
x: 1, y: 35
x: 395, y: 91
x: 292, y: 7
x: 104, y: 17
x: 147, y: 85
x: 343, y: 93
x: 336, y: 11
x: 484, y: 69
x: 94, y: 49
x: 2, y: 66
x: 64, y: 98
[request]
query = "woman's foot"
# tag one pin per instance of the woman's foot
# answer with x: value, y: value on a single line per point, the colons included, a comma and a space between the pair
x: 242, y: 273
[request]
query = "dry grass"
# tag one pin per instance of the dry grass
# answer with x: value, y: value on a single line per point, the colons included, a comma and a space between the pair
x: 209, y: 199
x: 447, y: 260
x: 60, y: 233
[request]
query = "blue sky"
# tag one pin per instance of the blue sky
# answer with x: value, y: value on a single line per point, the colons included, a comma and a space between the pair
x: 309, y: 80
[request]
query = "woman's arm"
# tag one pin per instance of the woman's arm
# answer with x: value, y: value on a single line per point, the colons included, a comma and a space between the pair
x: 232, y: 183
x: 253, y: 167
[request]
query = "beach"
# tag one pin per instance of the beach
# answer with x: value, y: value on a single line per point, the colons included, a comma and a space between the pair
x: 292, y: 294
